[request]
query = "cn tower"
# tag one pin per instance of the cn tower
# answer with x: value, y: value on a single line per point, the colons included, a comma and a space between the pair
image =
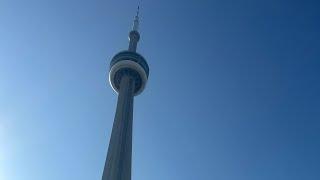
x: 128, y: 76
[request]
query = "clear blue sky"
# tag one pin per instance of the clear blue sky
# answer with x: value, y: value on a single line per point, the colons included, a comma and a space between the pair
x: 233, y: 92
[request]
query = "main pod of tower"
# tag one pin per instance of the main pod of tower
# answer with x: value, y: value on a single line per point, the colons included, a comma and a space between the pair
x: 131, y: 63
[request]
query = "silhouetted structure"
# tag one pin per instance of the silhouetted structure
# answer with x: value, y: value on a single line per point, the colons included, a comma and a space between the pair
x: 128, y: 76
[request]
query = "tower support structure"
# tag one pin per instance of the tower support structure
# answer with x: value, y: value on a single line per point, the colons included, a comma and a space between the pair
x: 128, y: 76
x: 118, y: 163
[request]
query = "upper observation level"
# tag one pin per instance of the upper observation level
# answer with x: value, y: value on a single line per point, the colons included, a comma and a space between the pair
x: 130, y: 63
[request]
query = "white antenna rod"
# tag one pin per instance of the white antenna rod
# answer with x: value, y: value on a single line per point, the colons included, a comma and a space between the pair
x: 136, y: 20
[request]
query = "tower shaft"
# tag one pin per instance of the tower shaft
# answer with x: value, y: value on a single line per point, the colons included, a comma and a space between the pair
x: 118, y: 163
x: 128, y: 76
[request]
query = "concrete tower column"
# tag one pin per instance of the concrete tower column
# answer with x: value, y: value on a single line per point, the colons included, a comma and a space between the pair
x: 118, y: 164
x: 128, y: 76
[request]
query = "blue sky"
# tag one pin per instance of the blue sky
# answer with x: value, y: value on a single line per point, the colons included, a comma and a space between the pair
x: 233, y: 92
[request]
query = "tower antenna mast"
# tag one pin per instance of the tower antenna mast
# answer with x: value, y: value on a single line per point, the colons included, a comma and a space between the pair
x: 136, y: 20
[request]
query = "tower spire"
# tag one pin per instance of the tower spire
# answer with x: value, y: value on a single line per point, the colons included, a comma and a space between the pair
x: 134, y: 35
x: 136, y: 20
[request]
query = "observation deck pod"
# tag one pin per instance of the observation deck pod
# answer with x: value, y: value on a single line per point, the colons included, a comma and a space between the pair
x: 132, y: 64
